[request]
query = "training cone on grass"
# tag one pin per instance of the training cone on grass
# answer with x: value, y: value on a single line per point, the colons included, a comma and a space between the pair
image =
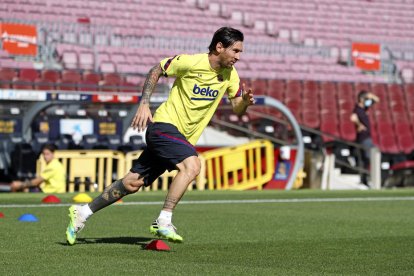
x: 28, y: 218
x: 1, y: 215
x: 82, y: 198
x: 158, y: 245
x: 51, y: 199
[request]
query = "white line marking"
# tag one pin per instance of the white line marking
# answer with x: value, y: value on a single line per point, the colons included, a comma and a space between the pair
x: 235, y: 201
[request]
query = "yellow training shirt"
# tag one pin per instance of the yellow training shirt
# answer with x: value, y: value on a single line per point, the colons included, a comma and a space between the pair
x: 54, y: 179
x: 196, y: 93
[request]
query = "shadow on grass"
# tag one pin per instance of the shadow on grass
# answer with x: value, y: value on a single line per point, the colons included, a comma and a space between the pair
x: 141, y: 241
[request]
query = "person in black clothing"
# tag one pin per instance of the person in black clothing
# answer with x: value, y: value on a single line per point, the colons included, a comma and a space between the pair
x: 361, y: 120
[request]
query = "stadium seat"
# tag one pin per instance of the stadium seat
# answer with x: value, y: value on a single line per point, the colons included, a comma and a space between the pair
x: 7, y: 75
x: 388, y: 144
x: 385, y: 127
x: 137, y: 142
x: 93, y: 77
x: 89, y: 141
x: 68, y: 85
x: 64, y: 142
x: 86, y: 61
x: 44, y: 84
x: 50, y: 75
x: 406, y: 143
x: 347, y: 130
x: 310, y: 119
x: 19, y: 83
x: 23, y: 161
x: 88, y: 85
x: 259, y: 87
x: 71, y: 75
x: 70, y: 60
x: 38, y: 141
x: 128, y: 87
x: 329, y: 127
x: 28, y: 74
x: 114, y: 142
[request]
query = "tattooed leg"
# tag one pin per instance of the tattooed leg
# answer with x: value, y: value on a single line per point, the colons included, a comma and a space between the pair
x: 112, y: 193
x: 170, y: 203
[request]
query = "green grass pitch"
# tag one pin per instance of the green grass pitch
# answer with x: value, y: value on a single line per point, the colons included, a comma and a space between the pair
x: 282, y: 233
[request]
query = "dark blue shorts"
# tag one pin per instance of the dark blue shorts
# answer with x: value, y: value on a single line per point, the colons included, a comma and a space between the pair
x: 166, y: 147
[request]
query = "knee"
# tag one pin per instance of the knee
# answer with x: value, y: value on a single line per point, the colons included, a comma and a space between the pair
x: 132, y: 182
x: 192, y: 167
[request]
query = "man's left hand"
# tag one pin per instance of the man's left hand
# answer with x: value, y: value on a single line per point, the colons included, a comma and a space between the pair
x: 248, y: 97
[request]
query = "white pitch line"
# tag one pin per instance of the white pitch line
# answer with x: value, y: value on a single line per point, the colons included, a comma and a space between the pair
x: 235, y: 201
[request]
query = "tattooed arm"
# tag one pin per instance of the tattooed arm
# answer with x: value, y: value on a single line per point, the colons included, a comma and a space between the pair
x: 143, y: 114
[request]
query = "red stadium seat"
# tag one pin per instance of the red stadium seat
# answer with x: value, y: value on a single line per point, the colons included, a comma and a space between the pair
x: 259, y: 87
x: 405, y: 143
x: 71, y: 76
x: 388, y: 144
x: 384, y: 127
x: 22, y: 84
x: 128, y: 87
x: 348, y: 131
x: 402, y: 128
x: 28, y: 74
x: 329, y: 127
x: 88, y: 85
x: 277, y: 94
x: 310, y: 85
x: 113, y: 78
x: 310, y: 104
x: 92, y: 77
x: 68, y: 85
x: 7, y: 73
x: 111, y: 82
x: 276, y: 85
x: 361, y: 86
x: 5, y: 82
x: 45, y: 84
x: 50, y: 75
x: 328, y: 87
x: 310, y: 119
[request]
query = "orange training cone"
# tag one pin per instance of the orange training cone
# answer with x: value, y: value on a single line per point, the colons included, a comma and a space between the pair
x: 158, y: 245
x: 1, y: 215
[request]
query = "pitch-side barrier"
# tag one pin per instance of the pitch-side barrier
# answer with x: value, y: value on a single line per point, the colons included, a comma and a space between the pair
x: 248, y: 166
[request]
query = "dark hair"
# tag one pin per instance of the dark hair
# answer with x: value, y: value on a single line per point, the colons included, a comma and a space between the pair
x: 362, y: 95
x: 49, y: 147
x: 227, y: 36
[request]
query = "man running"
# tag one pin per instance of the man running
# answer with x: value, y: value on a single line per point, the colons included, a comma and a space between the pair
x: 201, y: 80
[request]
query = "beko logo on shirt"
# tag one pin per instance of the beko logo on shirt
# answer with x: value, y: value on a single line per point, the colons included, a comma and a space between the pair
x: 208, y: 92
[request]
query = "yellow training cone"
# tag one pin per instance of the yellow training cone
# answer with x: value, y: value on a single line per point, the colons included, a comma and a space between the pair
x: 82, y: 198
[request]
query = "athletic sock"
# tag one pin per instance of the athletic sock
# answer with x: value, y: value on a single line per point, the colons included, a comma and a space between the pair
x: 165, y: 217
x: 85, y: 211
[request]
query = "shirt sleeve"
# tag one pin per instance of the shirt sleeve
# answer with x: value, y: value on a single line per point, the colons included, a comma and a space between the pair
x: 47, y: 173
x: 176, y: 66
x: 234, y: 90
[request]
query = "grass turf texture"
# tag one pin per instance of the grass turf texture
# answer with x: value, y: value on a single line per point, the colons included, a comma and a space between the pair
x: 307, y: 238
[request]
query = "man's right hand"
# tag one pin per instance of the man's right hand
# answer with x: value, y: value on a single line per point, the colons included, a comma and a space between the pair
x: 142, y: 117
